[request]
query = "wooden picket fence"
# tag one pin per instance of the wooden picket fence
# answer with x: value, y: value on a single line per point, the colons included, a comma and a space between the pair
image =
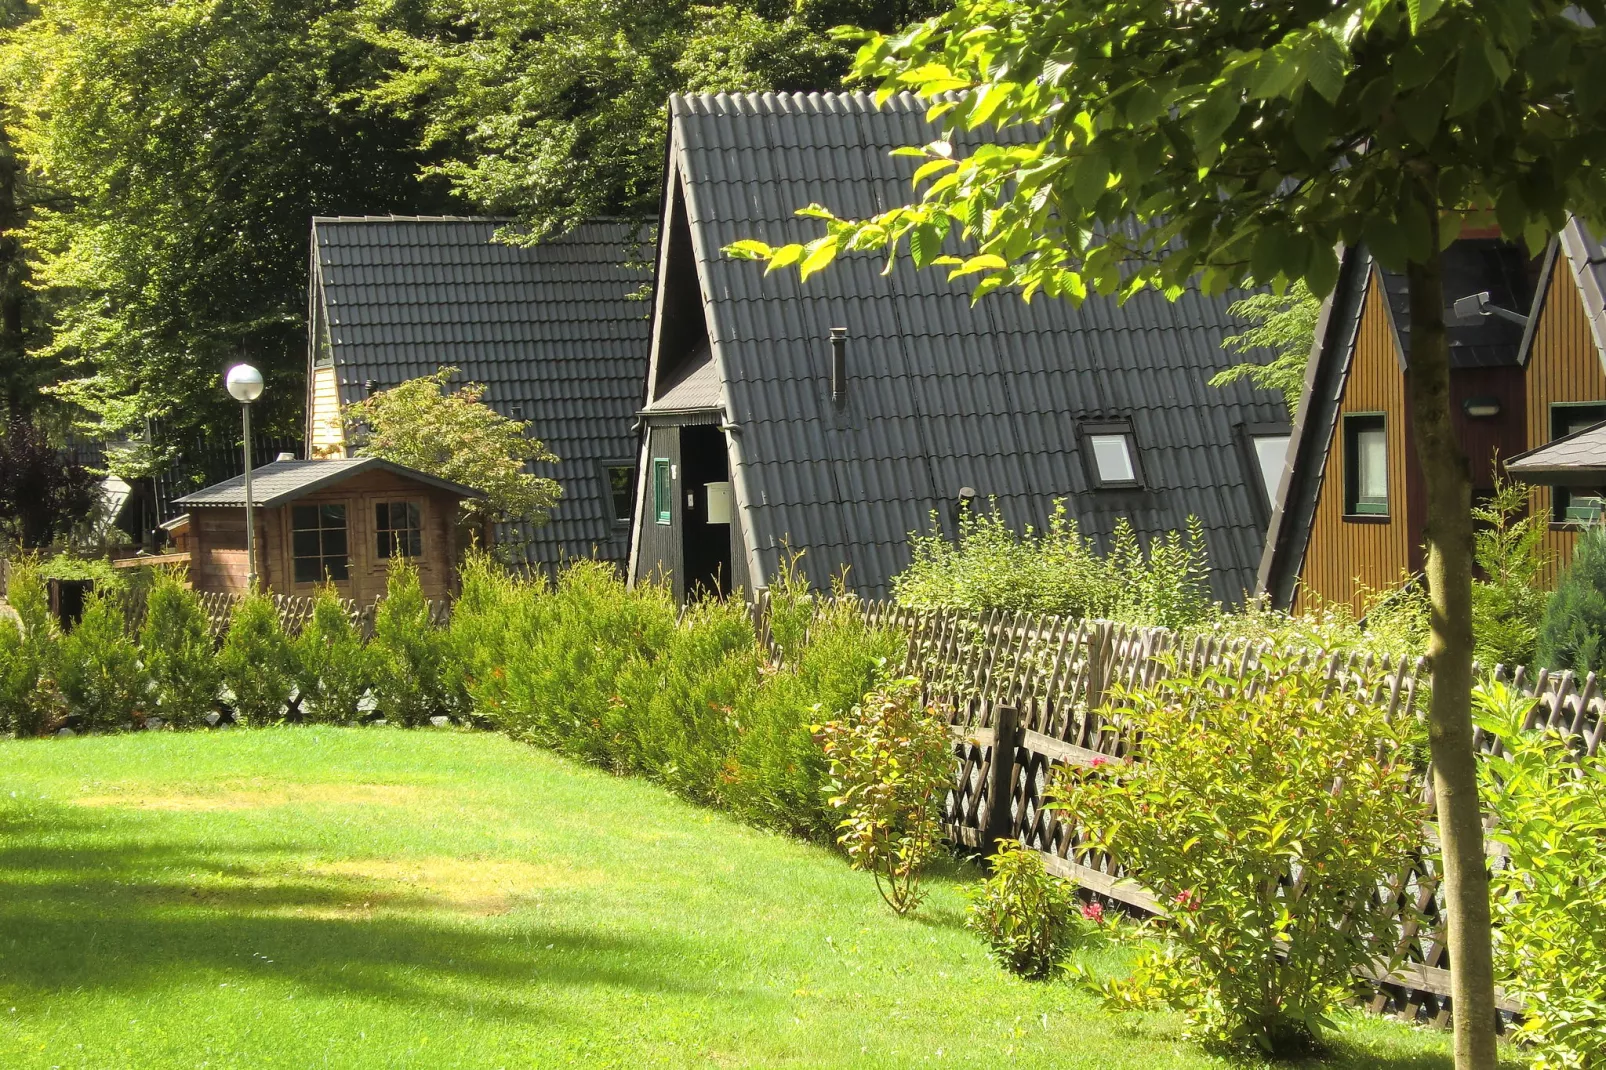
x: 294, y: 612
x: 1028, y: 694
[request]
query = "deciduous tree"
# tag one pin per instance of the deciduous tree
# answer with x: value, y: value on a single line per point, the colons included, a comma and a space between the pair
x: 1226, y: 141
x: 453, y: 434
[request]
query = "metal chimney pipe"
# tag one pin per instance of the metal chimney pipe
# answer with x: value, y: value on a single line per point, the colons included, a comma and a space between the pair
x: 839, y: 364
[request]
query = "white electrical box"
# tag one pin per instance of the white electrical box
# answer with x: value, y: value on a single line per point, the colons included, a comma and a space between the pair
x: 719, y: 503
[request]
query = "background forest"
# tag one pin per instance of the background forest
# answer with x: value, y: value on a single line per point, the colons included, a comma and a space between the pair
x: 160, y: 163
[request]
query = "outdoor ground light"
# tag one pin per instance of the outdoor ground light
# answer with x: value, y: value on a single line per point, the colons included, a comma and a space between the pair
x: 245, y: 386
x: 1481, y: 408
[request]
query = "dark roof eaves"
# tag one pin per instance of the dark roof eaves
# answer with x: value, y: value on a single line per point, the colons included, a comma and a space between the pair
x: 1546, y: 272
x: 1334, y: 338
x: 1575, y: 241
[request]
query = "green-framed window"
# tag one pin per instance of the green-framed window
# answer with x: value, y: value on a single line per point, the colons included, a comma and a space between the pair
x: 1366, y: 464
x: 1570, y: 505
x: 663, y: 500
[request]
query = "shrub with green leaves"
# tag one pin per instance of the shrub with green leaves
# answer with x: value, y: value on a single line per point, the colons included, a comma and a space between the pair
x: 1550, y: 895
x: 776, y: 772
x: 891, y: 758
x: 480, y: 637
x: 1508, y: 603
x: 176, y: 648
x: 1029, y: 918
x: 1263, y: 812
x: 988, y: 566
x: 99, y: 674
x: 410, y: 660
x: 334, y: 668
x: 1572, y: 634
x: 258, y: 661
x: 29, y: 703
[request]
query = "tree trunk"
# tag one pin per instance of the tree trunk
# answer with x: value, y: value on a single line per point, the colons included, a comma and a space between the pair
x: 1448, y: 534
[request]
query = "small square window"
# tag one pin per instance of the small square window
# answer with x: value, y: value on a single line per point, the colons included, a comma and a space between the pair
x: 620, y: 490
x: 1571, y: 506
x: 1366, y: 465
x: 400, y: 528
x: 662, y: 493
x: 1111, y: 455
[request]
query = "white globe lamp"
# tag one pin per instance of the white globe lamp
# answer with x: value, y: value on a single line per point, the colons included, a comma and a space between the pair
x: 244, y: 384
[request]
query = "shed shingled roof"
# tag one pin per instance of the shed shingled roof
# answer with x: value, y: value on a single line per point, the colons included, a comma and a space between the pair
x: 941, y: 394
x: 552, y: 329
x: 1578, y: 459
x: 285, y: 481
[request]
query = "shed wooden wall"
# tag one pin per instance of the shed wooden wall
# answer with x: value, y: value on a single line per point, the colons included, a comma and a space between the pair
x: 1345, y: 556
x: 1564, y: 365
x: 220, y: 562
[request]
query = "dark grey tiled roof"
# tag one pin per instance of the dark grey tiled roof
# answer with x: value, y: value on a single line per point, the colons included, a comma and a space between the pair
x: 942, y: 394
x: 1578, y: 459
x: 1471, y: 266
x: 695, y: 387
x: 551, y: 329
x: 1586, y: 261
x: 285, y: 481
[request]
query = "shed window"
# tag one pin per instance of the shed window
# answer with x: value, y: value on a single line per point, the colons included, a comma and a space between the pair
x: 401, y: 529
x: 621, y: 490
x: 1570, y: 505
x: 1111, y: 454
x: 1366, y: 465
x: 318, y: 542
x: 663, y: 501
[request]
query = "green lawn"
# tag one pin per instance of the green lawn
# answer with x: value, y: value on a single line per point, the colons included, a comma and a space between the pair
x: 374, y: 898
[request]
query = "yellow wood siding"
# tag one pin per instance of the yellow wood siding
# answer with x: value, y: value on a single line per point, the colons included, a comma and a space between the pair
x: 1564, y: 366
x: 1346, y: 556
x: 327, y: 433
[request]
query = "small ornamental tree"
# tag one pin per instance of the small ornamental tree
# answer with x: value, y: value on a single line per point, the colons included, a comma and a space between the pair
x: 43, y: 494
x: 409, y: 652
x: 1230, y: 141
x: 175, y: 646
x: 1264, y: 812
x: 890, y: 757
x: 100, y: 675
x: 258, y: 661
x: 1572, y: 632
x: 334, y: 669
x: 453, y: 434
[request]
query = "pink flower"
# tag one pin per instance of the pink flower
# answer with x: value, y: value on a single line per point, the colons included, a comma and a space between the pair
x: 1093, y: 912
x: 1096, y: 762
x: 1187, y: 900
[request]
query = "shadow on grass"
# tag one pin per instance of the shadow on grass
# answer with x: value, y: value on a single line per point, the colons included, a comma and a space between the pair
x: 81, y: 913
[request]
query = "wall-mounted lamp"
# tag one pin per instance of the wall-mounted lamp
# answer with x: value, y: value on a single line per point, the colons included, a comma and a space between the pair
x: 1476, y: 306
x: 1481, y: 408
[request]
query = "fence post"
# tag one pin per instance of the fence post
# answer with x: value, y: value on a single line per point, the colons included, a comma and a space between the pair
x: 1001, y: 778
x: 1100, y: 662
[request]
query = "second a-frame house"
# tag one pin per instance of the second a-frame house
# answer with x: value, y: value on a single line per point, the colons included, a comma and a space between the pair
x: 838, y: 415
x: 1528, y: 366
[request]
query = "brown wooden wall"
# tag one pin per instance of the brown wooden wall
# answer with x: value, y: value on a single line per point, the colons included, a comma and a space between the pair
x: 219, y: 563
x: 326, y: 435
x: 1564, y: 366
x: 1345, y: 556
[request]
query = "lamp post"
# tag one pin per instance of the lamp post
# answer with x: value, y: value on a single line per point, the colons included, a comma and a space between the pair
x: 245, y: 386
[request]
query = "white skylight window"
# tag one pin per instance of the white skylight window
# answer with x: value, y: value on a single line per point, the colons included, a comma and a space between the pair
x: 1111, y: 453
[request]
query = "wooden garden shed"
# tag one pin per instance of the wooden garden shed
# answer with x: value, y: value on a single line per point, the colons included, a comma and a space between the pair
x: 343, y: 520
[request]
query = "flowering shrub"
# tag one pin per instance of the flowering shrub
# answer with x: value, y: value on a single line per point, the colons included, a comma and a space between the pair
x: 1264, y: 814
x: 1028, y: 918
x: 1550, y: 896
x: 890, y: 762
